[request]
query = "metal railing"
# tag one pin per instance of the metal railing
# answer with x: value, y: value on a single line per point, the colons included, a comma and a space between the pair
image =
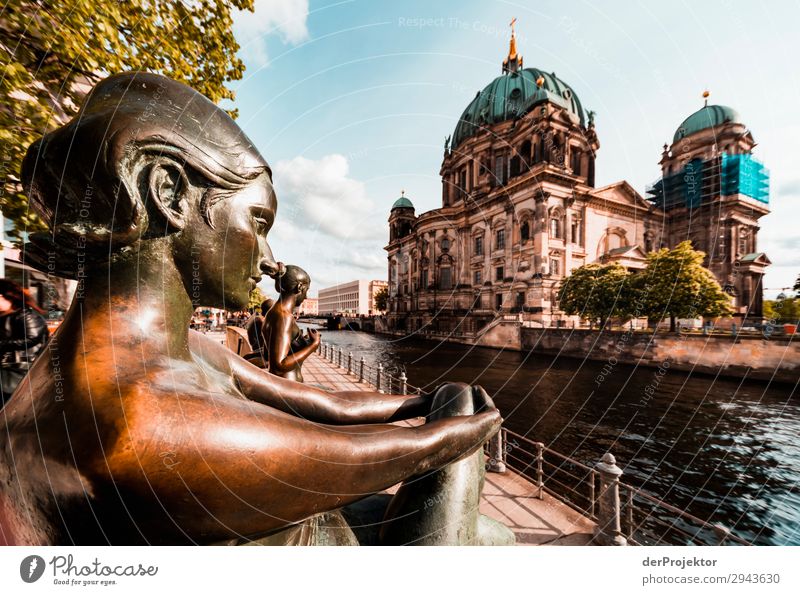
x: 624, y: 514
x: 375, y: 376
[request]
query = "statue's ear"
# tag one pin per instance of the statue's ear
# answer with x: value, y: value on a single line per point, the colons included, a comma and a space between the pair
x: 168, y: 189
x: 301, y: 287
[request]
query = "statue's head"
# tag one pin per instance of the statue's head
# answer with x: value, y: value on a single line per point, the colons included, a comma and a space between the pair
x: 148, y: 160
x: 295, y: 281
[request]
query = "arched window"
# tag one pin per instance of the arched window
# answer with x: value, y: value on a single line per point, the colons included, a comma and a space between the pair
x: 525, y: 232
x: 478, y: 246
x: 525, y: 154
x: 744, y: 241
x: 555, y: 227
x: 575, y: 160
x: 445, y: 245
x: 576, y: 232
x: 445, y: 278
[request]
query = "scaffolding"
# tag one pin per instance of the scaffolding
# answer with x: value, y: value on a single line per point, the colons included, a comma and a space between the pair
x: 701, y: 182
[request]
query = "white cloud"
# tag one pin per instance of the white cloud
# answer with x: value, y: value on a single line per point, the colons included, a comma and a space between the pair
x: 326, y: 222
x: 288, y: 18
x: 320, y: 195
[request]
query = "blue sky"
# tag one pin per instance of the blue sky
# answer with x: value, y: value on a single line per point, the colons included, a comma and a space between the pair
x: 350, y: 102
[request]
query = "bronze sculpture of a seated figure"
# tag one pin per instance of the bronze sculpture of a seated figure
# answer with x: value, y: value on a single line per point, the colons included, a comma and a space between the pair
x: 131, y: 429
x: 287, y: 347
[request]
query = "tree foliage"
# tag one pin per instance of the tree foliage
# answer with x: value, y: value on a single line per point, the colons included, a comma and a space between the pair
x: 675, y: 284
x: 785, y: 309
x: 54, y: 51
x: 381, y: 299
x: 596, y: 293
x: 256, y: 297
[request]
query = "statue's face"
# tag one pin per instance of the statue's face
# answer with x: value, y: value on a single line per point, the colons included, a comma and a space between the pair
x: 227, y: 261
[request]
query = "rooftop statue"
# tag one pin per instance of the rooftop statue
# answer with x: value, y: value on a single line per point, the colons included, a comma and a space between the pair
x: 287, y: 347
x: 131, y: 429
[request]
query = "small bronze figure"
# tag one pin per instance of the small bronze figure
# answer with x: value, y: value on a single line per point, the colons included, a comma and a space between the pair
x: 129, y: 428
x: 255, y: 327
x: 287, y: 346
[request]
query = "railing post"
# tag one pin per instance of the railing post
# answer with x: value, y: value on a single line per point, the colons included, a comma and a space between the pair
x: 539, y: 471
x: 403, y: 383
x: 609, y: 528
x: 324, y: 351
x: 361, y: 370
x: 722, y: 533
x: 341, y: 351
x: 378, y: 378
x: 629, y: 512
x: 497, y: 463
x: 350, y: 362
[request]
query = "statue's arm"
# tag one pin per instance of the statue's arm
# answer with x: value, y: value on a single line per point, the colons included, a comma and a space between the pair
x: 351, y: 407
x: 239, y: 468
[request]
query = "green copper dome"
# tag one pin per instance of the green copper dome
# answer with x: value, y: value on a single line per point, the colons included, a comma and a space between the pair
x: 511, y: 95
x: 710, y: 116
x: 402, y: 203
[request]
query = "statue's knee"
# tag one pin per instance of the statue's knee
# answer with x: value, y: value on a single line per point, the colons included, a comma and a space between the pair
x: 452, y: 399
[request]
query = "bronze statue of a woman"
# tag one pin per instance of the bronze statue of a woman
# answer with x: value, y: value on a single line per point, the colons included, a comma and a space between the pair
x: 286, y: 345
x: 131, y: 429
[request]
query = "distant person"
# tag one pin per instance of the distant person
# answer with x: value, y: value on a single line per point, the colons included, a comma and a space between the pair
x: 287, y: 346
x: 254, y: 326
x: 23, y: 333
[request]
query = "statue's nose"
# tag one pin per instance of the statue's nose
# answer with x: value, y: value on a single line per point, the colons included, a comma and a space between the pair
x: 271, y: 268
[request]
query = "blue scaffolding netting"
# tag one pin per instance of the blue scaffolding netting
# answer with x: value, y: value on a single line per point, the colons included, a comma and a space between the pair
x: 704, y: 181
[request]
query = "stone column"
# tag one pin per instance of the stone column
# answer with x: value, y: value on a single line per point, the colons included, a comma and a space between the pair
x: 540, y: 231
x: 568, y: 239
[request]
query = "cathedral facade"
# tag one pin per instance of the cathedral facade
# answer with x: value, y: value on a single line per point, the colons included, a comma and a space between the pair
x: 520, y: 209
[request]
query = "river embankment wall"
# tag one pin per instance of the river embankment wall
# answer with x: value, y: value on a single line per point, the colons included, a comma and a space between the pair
x: 775, y: 359
x: 754, y: 357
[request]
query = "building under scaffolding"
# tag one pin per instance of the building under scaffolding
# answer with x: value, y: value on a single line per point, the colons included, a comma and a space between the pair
x: 702, y: 182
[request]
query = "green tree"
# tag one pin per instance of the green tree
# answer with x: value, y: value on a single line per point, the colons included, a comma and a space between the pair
x: 381, y: 299
x: 596, y: 293
x: 784, y: 309
x: 676, y: 284
x: 54, y: 51
x: 256, y: 297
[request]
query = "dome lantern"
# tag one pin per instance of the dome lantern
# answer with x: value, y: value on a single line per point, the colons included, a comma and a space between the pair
x: 402, y: 202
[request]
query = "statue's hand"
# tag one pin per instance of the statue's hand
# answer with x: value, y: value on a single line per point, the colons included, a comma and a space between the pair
x: 481, y: 400
x: 456, y: 399
x: 313, y: 336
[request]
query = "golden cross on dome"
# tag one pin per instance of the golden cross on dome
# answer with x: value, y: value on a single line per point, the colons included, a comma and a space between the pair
x: 511, y: 24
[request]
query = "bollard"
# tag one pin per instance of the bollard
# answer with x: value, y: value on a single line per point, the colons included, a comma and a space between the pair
x: 341, y: 350
x: 324, y: 350
x: 350, y: 362
x: 539, y: 470
x: 496, y: 462
x: 609, y: 528
x: 403, y: 383
x: 378, y: 378
x: 361, y: 370
x: 721, y: 532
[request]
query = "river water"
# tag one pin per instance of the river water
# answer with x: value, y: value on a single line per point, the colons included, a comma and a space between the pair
x: 722, y: 449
